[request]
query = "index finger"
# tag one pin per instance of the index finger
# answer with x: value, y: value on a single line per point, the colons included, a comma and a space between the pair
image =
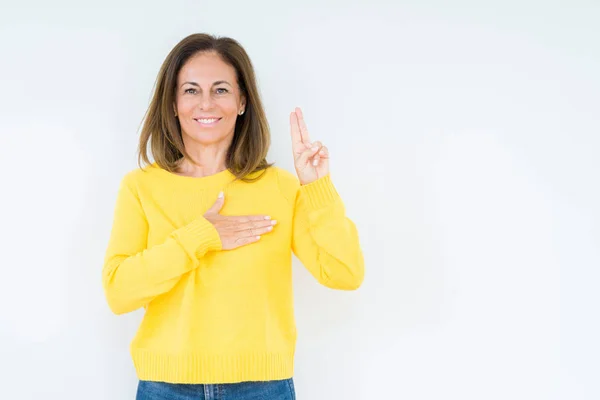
x: 248, y: 218
x: 302, y: 126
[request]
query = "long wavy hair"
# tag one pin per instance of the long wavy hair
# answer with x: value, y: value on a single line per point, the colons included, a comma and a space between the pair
x: 161, y: 130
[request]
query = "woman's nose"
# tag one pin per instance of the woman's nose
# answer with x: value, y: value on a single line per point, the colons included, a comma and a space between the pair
x: 206, y: 102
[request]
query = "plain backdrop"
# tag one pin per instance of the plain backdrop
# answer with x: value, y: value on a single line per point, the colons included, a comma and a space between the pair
x: 464, y: 138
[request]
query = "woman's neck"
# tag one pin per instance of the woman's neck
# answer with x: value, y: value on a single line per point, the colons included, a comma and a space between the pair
x: 200, y: 169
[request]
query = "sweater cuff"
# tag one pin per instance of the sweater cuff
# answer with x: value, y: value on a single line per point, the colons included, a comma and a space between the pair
x: 320, y: 193
x: 199, y: 237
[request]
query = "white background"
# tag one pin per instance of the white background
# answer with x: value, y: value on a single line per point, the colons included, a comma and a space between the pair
x: 464, y: 138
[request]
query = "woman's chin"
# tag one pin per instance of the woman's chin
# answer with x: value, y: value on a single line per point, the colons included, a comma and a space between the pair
x: 208, y: 136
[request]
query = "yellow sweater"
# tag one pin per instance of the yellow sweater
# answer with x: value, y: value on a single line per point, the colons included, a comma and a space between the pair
x: 217, y: 316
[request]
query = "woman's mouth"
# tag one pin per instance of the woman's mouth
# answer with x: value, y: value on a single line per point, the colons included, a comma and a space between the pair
x: 207, y: 122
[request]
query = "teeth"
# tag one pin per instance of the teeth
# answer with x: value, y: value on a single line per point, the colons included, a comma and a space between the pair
x: 207, y: 121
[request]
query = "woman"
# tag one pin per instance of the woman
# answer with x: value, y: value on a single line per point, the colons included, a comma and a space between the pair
x: 203, y: 236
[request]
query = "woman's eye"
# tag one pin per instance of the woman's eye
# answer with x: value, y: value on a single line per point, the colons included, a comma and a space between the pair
x: 219, y: 91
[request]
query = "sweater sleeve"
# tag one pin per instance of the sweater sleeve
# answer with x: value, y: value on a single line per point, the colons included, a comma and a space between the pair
x: 133, y: 274
x: 324, y: 239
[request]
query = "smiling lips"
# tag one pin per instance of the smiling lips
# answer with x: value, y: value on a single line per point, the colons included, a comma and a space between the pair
x: 207, y: 122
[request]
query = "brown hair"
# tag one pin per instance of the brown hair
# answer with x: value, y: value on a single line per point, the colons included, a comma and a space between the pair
x: 248, y: 150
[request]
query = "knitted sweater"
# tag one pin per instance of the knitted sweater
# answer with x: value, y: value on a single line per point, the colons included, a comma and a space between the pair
x: 214, y: 315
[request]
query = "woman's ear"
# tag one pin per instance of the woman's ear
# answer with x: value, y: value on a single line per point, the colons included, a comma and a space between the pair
x: 175, y: 109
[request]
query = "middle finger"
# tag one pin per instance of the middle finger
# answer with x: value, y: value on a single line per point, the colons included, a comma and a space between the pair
x: 255, y: 225
x: 255, y: 231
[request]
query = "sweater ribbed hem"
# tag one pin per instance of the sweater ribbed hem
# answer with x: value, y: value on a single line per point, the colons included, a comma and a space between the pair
x: 210, y: 368
x: 320, y: 193
x: 199, y: 237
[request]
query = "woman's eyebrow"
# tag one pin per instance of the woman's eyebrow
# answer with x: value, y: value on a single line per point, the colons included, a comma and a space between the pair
x: 214, y: 84
x: 219, y: 82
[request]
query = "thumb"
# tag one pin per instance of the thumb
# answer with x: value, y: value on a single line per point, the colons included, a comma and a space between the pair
x: 218, y: 205
x: 304, y: 158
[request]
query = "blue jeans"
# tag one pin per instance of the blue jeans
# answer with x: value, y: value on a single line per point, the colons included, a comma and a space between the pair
x: 268, y: 390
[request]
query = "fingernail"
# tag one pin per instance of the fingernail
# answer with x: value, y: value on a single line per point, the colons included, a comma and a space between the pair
x: 322, y: 153
x: 221, y: 195
x: 315, y: 148
x: 315, y: 162
x: 258, y: 237
x: 267, y: 217
x: 273, y: 222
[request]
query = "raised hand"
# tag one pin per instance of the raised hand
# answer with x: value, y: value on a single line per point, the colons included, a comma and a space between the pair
x: 236, y: 231
x: 311, y: 160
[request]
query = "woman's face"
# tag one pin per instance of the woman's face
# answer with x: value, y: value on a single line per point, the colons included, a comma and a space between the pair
x: 208, y: 99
